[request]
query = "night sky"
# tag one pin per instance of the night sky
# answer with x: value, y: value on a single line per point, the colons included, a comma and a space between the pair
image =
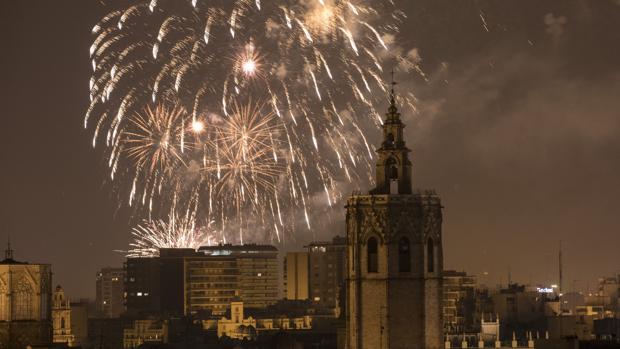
x: 517, y: 128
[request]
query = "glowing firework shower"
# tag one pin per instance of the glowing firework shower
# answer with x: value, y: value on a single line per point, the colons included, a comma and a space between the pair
x: 178, y: 231
x: 254, y: 107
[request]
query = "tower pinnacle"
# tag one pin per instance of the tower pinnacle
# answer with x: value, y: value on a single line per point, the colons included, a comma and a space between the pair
x: 393, y: 171
x: 393, y: 115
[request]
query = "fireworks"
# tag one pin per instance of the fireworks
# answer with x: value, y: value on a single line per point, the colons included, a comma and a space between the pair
x: 252, y: 107
x: 176, y: 232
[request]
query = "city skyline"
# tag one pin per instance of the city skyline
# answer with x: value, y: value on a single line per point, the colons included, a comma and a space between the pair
x: 515, y: 130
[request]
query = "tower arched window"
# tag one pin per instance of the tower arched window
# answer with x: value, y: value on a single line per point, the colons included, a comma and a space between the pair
x: 404, y: 255
x: 430, y: 256
x: 372, y: 254
x: 391, y: 170
x: 62, y: 323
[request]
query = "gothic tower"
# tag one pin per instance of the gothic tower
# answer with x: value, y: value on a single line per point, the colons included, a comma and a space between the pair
x: 394, y: 258
x: 61, y: 318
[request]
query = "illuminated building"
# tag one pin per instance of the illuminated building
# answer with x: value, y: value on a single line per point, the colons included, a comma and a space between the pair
x: 217, y: 274
x: 296, y: 275
x: 237, y: 325
x: 327, y: 270
x: 394, y: 255
x: 61, y: 318
x: 145, y: 331
x: 25, y: 303
x: 184, y: 281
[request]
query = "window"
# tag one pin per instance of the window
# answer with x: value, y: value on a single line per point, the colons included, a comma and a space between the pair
x: 430, y: 256
x: 22, y: 302
x: 404, y: 255
x: 373, y: 258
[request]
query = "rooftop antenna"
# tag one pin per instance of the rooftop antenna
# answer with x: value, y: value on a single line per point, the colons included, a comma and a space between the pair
x: 560, y: 274
x: 8, y: 253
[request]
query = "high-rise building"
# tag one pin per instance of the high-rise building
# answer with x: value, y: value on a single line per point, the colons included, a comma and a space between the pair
x: 25, y: 302
x: 394, y: 258
x: 459, y: 302
x: 61, y: 318
x: 143, y: 286
x: 110, y: 292
x: 327, y: 270
x: 217, y: 274
x: 184, y: 281
x: 296, y: 275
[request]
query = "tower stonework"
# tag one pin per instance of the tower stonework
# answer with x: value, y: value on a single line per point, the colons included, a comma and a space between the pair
x: 394, y: 257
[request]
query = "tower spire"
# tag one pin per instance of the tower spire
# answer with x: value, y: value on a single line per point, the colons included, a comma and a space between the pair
x: 393, y: 173
x: 393, y: 115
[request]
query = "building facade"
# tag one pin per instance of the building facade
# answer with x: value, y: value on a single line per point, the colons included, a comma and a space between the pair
x: 145, y: 331
x: 187, y: 282
x: 217, y: 274
x: 394, y: 255
x: 459, y: 302
x: 110, y: 292
x: 296, y: 275
x: 25, y: 303
x: 327, y: 271
x: 238, y: 325
x: 61, y: 318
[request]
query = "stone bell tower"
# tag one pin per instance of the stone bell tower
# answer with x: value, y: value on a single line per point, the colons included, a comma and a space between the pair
x: 394, y: 258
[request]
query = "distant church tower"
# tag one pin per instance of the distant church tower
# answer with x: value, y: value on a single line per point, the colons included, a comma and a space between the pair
x: 61, y: 318
x: 394, y: 260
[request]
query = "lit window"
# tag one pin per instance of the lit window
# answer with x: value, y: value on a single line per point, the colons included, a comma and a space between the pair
x: 139, y: 294
x: 259, y: 274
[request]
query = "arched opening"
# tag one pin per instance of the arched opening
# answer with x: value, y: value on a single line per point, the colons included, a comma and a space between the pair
x: 391, y: 170
x: 404, y: 255
x: 62, y: 323
x: 372, y: 254
x: 430, y: 256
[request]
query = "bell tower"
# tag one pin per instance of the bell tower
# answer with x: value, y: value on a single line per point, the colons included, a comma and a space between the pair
x: 394, y: 255
x: 393, y: 170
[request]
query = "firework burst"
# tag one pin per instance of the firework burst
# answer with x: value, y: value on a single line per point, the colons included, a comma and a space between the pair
x: 177, y: 231
x: 315, y: 66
